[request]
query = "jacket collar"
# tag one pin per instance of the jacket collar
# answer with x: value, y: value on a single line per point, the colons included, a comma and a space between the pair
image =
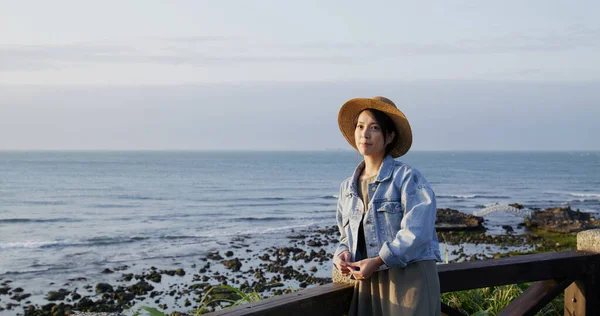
x: 385, y: 172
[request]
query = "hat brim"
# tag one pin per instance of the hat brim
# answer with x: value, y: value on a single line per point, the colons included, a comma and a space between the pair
x: 352, y: 108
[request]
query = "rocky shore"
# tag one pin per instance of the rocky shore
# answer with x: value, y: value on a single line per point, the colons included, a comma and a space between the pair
x: 302, y: 259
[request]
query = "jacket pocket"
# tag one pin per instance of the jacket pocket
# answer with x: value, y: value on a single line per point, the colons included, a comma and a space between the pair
x: 390, y: 207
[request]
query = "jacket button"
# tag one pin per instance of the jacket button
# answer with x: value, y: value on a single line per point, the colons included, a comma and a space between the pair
x: 373, y: 189
x: 371, y: 245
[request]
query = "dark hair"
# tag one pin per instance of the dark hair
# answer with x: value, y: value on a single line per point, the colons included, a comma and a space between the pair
x: 385, y: 123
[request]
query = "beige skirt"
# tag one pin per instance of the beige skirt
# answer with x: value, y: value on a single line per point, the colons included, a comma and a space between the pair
x: 413, y: 290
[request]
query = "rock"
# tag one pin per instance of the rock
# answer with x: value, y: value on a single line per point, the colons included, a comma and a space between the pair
x: 127, y: 277
x: 517, y: 206
x: 562, y: 220
x: 313, y: 243
x: 154, y: 277
x: 450, y: 220
x: 229, y: 253
x: 107, y: 270
x: 180, y: 272
x: 140, y: 288
x: 214, y: 256
x: 20, y: 297
x: 313, y: 269
x: 103, y: 288
x: 57, y: 295
x: 233, y: 264
x: 508, y: 229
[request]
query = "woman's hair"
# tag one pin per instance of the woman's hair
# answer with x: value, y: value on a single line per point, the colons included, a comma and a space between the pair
x: 385, y: 123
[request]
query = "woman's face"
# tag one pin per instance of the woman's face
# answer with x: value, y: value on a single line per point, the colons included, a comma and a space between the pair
x: 368, y: 136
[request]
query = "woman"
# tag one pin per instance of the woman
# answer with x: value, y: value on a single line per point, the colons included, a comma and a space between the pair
x: 386, y: 217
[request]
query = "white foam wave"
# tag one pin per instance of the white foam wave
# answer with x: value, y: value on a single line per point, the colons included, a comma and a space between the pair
x: 585, y: 195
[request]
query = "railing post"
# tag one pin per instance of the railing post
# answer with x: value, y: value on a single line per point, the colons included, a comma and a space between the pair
x: 583, y: 296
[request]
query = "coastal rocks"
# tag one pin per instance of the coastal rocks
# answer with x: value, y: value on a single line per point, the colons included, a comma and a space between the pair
x: 140, y: 288
x: 214, y: 256
x: 562, y: 220
x: 57, y: 295
x: 103, y: 288
x: 233, y: 264
x: 450, y: 220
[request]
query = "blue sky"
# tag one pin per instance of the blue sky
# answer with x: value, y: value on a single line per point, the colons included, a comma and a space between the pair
x: 470, y: 75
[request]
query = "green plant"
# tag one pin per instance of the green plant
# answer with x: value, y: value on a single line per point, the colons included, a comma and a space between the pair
x: 491, y: 300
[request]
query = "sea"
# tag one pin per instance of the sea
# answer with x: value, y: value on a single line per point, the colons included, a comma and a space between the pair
x: 65, y: 213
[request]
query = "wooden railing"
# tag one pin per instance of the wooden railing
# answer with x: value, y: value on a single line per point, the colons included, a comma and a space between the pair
x: 576, y: 273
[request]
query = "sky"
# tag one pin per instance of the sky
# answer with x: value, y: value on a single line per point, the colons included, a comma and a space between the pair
x: 272, y: 75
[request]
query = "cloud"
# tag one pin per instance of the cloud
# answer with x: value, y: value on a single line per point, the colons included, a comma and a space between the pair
x: 222, y: 50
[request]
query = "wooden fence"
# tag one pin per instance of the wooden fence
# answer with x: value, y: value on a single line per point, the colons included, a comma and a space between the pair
x: 576, y: 273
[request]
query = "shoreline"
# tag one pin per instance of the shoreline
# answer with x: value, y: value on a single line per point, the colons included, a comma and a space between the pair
x: 300, y: 260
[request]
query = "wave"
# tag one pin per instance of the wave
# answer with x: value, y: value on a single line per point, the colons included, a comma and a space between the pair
x: 264, y: 219
x: 585, y: 195
x: 96, y: 241
x: 113, y: 206
x: 472, y: 196
x: 139, y: 197
x: 37, y: 220
x: 45, y: 202
x: 260, y: 199
x: 330, y: 197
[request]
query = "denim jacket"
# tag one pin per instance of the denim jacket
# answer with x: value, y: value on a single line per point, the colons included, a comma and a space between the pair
x: 399, y: 224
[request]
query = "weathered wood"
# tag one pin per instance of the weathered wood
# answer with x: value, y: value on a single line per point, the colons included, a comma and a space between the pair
x: 519, y: 269
x: 535, y: 297
x: 450, y: 311
x: 328, y: 299
x: 575, y: 299
x: 582, y: 297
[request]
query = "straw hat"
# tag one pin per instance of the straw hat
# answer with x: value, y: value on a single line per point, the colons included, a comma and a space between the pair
x: 352, y: 108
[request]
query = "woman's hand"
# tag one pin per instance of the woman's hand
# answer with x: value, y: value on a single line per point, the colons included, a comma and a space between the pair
x: 341, y: 261
x: 365, y: 267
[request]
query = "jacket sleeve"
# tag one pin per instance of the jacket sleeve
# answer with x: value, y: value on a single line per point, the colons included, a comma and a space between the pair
x: 417, y: 227
x: 343, y: 244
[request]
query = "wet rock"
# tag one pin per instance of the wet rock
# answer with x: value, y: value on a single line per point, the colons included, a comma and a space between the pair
x: 508, y: 229
x: 20, y: 297
x: 313, y: 243
x: 140, y: 288
x: 107, y: 270
x: 562, y: 220
x: 103, y: 288
x: 313, y: 269
x: 17, y: 290
x: 57, y: 295
x: 450, y: 220
x: 214, y: 256
x: 233, y: 264
x: 180, y: 272
x: 154, y: 277
x: 127, y: 277
x: 229, y: 253
x: 517, y: 206
x: 4, y: 290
